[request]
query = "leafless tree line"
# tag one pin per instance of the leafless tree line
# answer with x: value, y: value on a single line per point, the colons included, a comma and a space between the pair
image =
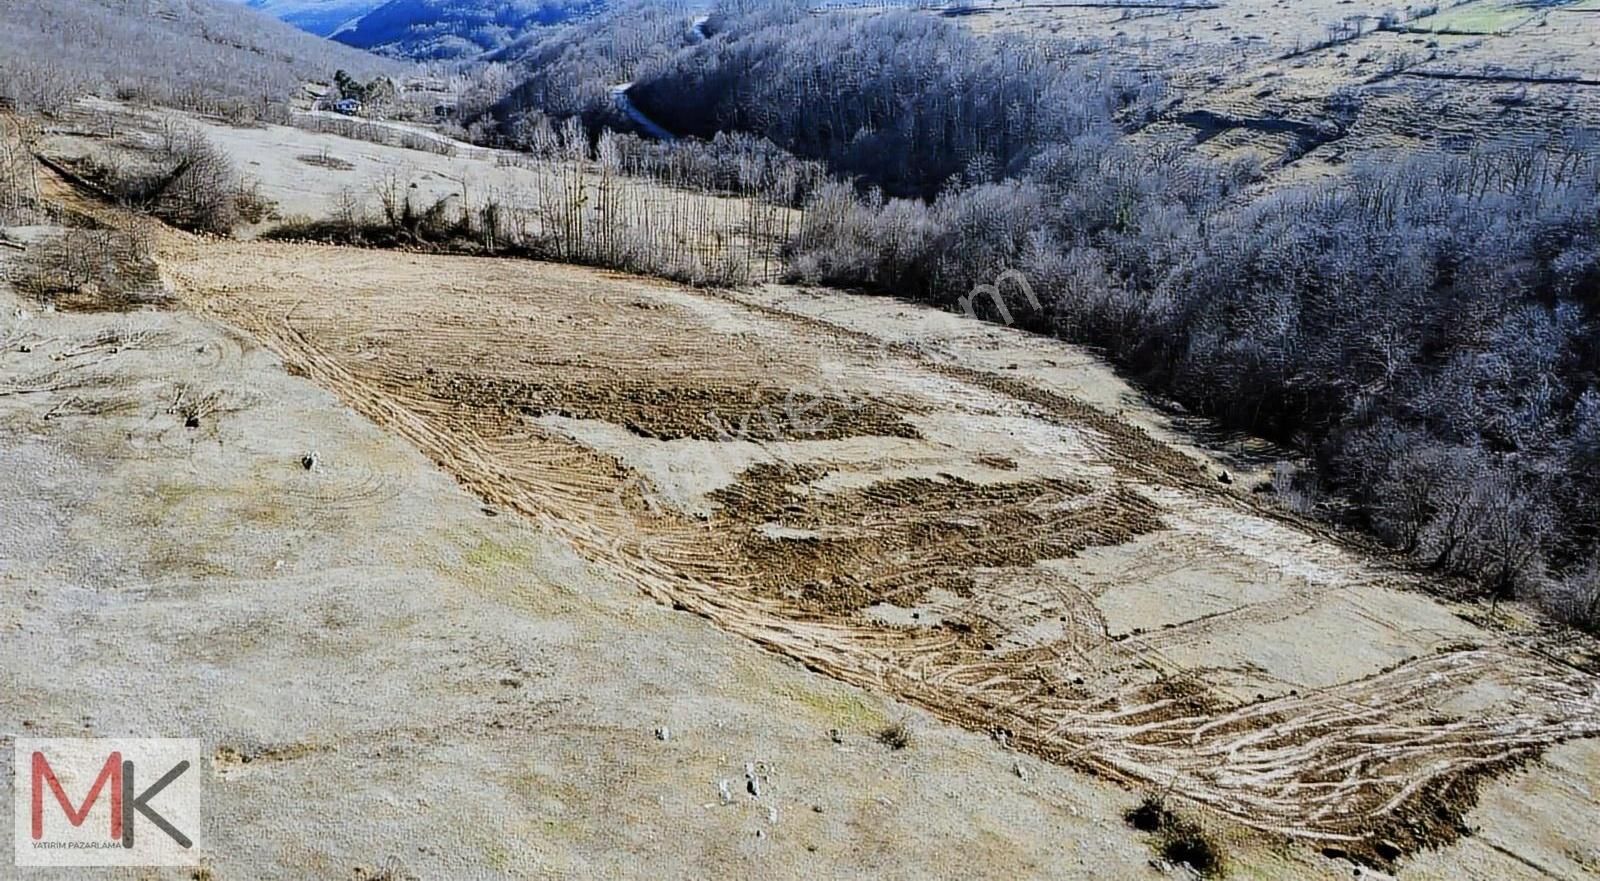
x: 19, y: 183
x: 1423, y: 329
x: 587, y: 204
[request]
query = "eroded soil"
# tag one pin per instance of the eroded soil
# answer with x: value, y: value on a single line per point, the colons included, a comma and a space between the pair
x: 982, y: 544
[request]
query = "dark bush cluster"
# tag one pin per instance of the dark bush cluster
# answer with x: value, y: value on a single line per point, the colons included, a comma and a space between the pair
x: 1179, y: 839
x: 1424, y: 329
x: 183, y: 179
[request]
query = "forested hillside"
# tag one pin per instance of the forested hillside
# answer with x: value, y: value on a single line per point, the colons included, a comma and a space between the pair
x: 905, y: 99
x: 570, y: 71
x: 426, y: 29
x: 1421, y: 326
x: 320, y: 17
x: 189, y: 53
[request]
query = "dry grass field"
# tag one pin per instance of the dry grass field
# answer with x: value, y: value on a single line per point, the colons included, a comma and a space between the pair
x: 549, y: 509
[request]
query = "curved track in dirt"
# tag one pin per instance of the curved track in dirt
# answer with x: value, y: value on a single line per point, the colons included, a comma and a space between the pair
x: 810, y: 542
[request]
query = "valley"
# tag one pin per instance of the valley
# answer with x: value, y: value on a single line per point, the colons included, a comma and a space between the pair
x: 985, y: 440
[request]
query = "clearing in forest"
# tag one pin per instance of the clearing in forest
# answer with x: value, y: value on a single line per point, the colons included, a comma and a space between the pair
x: 981, y: 543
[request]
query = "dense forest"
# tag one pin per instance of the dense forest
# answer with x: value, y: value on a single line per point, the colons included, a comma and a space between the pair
x: 1422, y: 329
x: 904, y: 99
x: 570, y: 71
x: 432, y: 29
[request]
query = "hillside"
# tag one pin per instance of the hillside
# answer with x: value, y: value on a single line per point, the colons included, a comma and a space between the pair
x: 320, y: 17
x: 454, y: 28
x: 189, y: 52
x: 1130, y: 440
x: 551, y: 512
x: 1367, y: 236
x: 1308, y: 88
x: 425, y: 29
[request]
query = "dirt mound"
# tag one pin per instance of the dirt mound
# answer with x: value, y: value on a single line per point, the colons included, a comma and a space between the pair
x: 894, y: 541
x: 713, y: 411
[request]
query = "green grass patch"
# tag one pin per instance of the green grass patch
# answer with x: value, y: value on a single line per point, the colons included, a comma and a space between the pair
x: 491, y: 555
x: 1485, y: 17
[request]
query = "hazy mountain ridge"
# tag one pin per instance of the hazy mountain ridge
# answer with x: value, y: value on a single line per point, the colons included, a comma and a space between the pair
x: 425, y: 28
x: 320, y: 17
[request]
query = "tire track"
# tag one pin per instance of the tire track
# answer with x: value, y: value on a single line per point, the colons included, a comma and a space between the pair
x: 1367, y: 761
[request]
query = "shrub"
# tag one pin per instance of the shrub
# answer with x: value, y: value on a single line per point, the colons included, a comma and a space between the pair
x: 90, y: 270
x: 1177, y: 838
x: 896, y: 735
x: 184, y: 180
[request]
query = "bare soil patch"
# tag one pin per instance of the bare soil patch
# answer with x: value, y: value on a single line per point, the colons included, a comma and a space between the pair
x: 900, y: 561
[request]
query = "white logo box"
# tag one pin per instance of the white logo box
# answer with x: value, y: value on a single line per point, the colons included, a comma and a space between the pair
x: 106, y: 802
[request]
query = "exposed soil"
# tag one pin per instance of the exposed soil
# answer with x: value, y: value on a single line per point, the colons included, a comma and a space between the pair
x: 896, y: 540
x: 381, y: 674
x: 714, y: 411
x: 1026, y: 554
x: 884, y: 551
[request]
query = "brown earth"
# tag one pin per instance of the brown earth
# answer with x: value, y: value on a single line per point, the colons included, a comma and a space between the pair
x: 989, y: 527
x: 897, y: 560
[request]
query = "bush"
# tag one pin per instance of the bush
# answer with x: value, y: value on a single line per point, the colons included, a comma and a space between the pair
x: 200, y: 190
x: 184, y: 180
x: 1188, y: 844
x: 1576, y: 596
x: 1177, y: 838
x: 896, y: 735
x: 91, y: 270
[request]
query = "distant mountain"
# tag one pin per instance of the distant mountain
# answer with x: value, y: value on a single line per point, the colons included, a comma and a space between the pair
x: 455, y: 28
x: 426, y: 29
x: 320, y: 17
